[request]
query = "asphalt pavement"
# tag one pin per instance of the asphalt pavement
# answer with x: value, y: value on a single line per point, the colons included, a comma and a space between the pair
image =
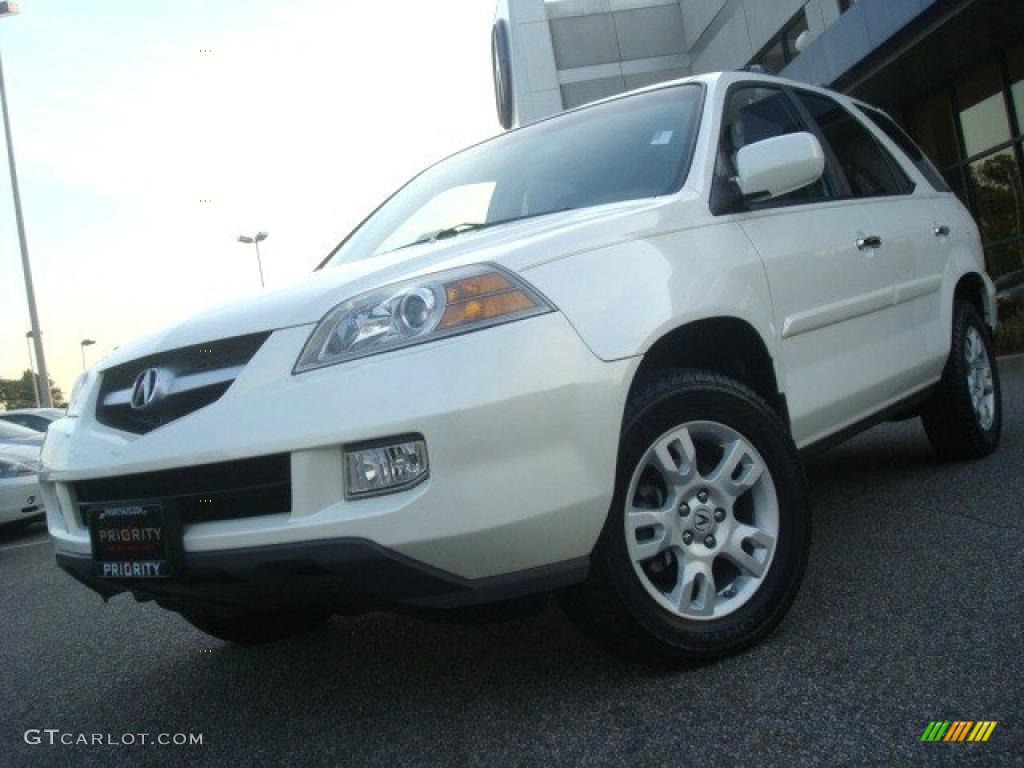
x: 911, y: 611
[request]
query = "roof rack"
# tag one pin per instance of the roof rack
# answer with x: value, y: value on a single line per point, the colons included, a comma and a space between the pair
x: 757, y: 69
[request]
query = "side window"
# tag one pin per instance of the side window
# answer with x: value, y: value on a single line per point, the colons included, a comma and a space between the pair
x: 23, y: 420
x: 869, y: 169
x: 754, y: 114
x: 903, y: 141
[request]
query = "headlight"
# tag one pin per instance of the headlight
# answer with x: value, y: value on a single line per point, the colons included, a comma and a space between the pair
x: 78, y: 391
x: 420, y: 310
x: 10, y: 468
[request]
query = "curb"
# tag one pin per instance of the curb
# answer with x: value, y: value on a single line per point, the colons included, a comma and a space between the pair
x: 1011, y: 362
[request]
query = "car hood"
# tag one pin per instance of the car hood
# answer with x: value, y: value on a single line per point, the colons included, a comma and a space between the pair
x: 515, y: 246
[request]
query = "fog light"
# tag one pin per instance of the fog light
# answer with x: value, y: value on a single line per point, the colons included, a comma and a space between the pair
x: 385, y: 467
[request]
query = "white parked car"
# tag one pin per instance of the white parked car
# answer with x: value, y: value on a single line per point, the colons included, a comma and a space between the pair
x: 585, y: 357
x: 20, y: 498
x: 36, y: 419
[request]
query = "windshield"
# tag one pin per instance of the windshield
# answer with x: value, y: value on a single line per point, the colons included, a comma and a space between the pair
x: 625, y: 149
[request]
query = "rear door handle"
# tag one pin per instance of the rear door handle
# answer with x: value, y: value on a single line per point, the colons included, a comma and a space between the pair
x: 941, y: 231
x: 871, y: 241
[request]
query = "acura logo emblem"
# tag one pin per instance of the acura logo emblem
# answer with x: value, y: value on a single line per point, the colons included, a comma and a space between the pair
x: 147, y: 389
x: 702, y: 521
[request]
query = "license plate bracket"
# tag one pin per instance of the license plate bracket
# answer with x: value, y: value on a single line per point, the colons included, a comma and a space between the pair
x: 135, y: 540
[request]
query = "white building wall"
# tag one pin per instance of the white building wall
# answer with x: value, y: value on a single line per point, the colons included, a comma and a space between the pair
x: 534, y: 74
x: 570, y: 52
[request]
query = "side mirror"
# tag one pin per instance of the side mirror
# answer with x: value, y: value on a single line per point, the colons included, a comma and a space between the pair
x: 778, y: 166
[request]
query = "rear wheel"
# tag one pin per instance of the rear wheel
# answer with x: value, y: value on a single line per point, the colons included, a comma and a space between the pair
x: 254, y: 627
x: 963, y: 417
x: 707, y: 538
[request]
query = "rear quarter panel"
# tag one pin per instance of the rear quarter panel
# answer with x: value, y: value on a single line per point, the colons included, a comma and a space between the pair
x: 965, y: 256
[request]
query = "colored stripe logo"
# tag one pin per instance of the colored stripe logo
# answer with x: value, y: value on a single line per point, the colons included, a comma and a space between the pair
x: 958, y: 730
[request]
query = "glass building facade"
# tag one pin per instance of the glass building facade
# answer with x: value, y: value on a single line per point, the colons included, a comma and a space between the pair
x: 971, y: 127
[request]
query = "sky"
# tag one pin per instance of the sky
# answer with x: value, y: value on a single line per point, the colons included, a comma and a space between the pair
x: 149, y: 135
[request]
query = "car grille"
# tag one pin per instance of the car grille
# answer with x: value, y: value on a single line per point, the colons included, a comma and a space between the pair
x: 193, y: 377
x: 224, y: 491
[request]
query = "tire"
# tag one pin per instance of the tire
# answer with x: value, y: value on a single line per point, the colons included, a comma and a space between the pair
x: 254, y: 628
x: 956, y: 429
x: 619, y: 605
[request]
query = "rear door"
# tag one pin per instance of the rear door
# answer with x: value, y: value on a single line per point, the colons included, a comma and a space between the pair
x: 832, y: 298
x: 941, y: 225
x: 888, y: 205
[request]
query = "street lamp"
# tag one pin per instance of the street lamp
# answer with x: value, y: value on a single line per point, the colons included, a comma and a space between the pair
x: 9, y: 9
x: 256, y: 239
x: 85, y: 343
x: 32, y: 368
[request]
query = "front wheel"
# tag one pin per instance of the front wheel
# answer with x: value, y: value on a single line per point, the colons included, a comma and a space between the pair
x: 964, y: 416
x: 707, y: 538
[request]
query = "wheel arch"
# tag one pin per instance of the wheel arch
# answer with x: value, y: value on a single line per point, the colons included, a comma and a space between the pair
x: 723, y: 344
x: 971, y: 287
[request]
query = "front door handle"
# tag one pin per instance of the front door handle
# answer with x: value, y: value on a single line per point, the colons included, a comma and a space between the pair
x: 941, y: 231
x: 871, y: 241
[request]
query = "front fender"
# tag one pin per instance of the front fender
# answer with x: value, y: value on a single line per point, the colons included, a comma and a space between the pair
x: 623, y: 297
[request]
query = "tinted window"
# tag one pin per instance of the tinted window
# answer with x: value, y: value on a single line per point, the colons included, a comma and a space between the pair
x: 37, y: 423
x: 869, y: 169
x: 757, y: 113
x: 933, y: 126
x: 626, y: 149
x: 1015, y: 68
x: 903, y: 141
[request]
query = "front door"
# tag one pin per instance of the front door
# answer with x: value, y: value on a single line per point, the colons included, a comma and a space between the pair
x: 829, y: 255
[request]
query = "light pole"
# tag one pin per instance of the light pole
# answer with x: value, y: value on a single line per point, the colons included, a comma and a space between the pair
x: 85, y: 343
x: 256, y: 239
x: 9, y: 9
x: 32, y: 368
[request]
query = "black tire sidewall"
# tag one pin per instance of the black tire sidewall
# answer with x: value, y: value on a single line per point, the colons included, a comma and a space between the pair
x: 707, y: 402
x: 986, y: 439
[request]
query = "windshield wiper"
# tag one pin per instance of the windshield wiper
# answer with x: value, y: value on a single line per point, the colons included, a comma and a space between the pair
x: 473, y: 226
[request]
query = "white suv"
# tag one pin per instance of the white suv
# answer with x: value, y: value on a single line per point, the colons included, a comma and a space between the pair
x: 582, y: 357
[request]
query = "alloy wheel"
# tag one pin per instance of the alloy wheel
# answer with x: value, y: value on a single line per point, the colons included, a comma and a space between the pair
x: 979, y: 379
x: 702, y: 520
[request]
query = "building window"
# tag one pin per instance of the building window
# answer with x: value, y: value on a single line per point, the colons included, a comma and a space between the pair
x: 782, y: 48
x: 845, y: 5
x: 973, y: 130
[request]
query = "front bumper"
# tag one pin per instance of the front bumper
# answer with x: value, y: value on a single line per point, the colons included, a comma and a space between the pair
x: 342, y: 575
x: 20, y: 499
x: 521, y: 423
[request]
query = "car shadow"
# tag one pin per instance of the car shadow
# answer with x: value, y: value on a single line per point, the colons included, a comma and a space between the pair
x: 21, y: 532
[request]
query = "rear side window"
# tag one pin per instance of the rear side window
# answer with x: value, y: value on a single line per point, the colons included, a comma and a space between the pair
x: 870, y: 171
x: 903, y: 141
x: 757, y: 113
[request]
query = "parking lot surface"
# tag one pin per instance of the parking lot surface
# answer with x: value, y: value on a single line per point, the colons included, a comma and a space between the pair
x: 911, y: 611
